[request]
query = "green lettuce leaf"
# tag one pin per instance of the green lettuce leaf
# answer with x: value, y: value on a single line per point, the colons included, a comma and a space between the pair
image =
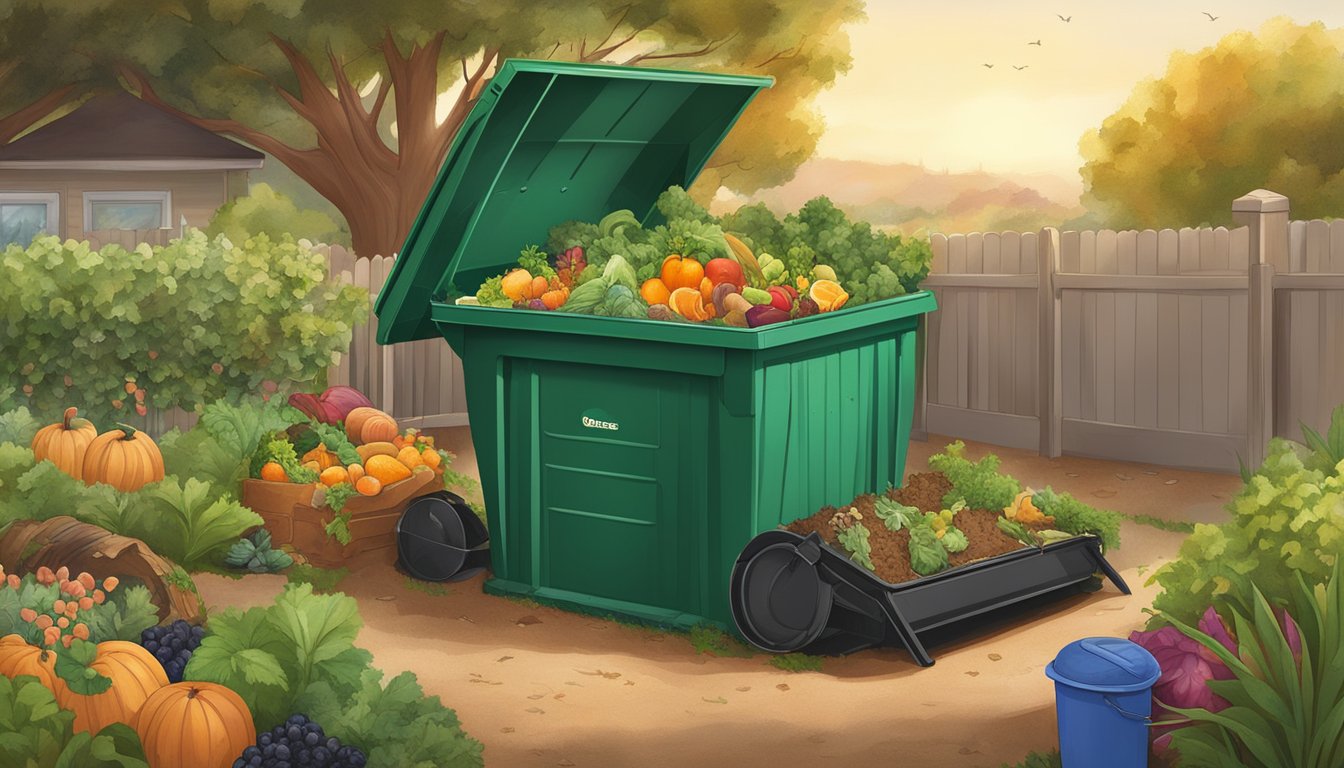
x: 18, y: 426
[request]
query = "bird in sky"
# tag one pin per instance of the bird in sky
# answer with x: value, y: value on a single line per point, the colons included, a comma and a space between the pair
x: 1065, y: 19
x: 987, y: 66
x: 1211, y: 16
x: 1038, y: 42
x: 1019, y: 69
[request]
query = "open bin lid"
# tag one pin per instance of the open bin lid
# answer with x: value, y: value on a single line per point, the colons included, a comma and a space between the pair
x: 549, y: 142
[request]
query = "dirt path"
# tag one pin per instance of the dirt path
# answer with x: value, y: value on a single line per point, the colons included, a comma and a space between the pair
x: 541, y: 687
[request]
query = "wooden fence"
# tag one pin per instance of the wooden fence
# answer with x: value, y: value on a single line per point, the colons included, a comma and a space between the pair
x: 419, y: 383
x: 1185, y: 348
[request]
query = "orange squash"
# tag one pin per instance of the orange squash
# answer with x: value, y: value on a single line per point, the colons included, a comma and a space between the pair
x: 17, y: 657
x: 387, y: 469
x: 555, y: 298
x: 334, y: 476
x: 368, y: 485
x: 125, y: 459
x: 135, y: 674
x: 203, y: 725
x: 354, y: 472
x: 65, y: 443
x: 370, y: 425
x: 517, y: 285
x: 322, y: 456
x: 431, y: 458
x: 681, y: 272
x: 410, y: 457
x: 690, y: 304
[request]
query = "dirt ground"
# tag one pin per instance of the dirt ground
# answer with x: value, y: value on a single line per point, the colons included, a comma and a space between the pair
x: 542, y: 687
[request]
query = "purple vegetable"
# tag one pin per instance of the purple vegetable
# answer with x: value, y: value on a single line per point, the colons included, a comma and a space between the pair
x: 764, y: 314
x: 1187, y: 667
x: 536, y: 304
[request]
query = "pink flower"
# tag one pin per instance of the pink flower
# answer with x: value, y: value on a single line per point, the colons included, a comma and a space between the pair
x: 1291, y: 633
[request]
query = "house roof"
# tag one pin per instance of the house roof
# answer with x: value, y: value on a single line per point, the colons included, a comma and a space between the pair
x: 120, y: 132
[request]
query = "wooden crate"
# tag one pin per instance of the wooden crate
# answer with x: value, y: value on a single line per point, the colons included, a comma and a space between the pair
x: 290, y: 516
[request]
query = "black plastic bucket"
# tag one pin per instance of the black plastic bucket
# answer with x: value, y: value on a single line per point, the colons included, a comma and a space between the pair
x: 794, y: 593
x: 439, y: 538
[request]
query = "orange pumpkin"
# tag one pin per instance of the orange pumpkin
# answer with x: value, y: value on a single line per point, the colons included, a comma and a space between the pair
x: 203, y: 725
x: 17, y: 657
x: 370, y: 425
x: 410, y: 457
x: 679, y: 272
x: 65, y: 443
x: 387, y: 469
x: 125, y: 459
x: 354, y: 472
x: 135, y: 674
x: 322, y: 456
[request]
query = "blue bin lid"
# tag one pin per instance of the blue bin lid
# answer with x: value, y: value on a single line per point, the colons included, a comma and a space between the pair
x: 1105, y: 664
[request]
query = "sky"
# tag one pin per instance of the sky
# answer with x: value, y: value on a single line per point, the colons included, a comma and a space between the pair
x: 918, y: 90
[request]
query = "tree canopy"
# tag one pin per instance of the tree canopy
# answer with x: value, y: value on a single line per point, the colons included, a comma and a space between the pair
x: 1263, y: 110
x: 362, y: 99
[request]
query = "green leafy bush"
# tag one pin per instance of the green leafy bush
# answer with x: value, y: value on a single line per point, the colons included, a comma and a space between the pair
x: 264, y: 211
x: 188, y: 323
x: 978, y: 483
x: 396, y: 724
x: 36, y: 733
x: 1073, y: 516
x: 18, y: 426
x: 1038, y: 760
x: 121, y: 613
x: 1285, y: 521
x: 1286, y: 692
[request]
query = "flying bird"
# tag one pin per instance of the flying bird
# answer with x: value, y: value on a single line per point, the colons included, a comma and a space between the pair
x: 1065, y: 19
x: 987, y: 66
x: 1019, y: 69
x: 1038, y: 42
x: 1211, y: 16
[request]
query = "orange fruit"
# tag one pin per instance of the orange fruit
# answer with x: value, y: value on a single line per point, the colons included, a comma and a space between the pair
x: 334, y: 476
x: 431, y: 458
x: 369, y: 485
x: 706, y: 290
x: 410, y: 457
x: 828, y: 294
x: 354, y: 472
x: 274, y: 472
x: 681, y: 272
x: 654, y: 291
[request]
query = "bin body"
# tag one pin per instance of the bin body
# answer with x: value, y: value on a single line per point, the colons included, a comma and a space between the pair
x: 626, y: 462
x: 1103, y: 699
x: 625, y: 475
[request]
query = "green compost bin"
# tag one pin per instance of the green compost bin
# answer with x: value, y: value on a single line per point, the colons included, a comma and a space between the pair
x: 625, y: 463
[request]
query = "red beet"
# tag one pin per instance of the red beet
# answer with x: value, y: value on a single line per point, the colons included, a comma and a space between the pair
x: 764, y: 314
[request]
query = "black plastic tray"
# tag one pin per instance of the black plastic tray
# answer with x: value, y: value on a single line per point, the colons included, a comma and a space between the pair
x: 795, y: 593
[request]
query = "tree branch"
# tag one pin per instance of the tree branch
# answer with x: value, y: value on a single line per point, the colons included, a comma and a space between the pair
x: 602, y: 53
x: 384, y: 86
x: 22, y: 119
x: 787, y: 53
x: 708, y: 49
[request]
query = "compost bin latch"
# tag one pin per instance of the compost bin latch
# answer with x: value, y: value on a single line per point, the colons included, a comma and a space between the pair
x: 809, y: 549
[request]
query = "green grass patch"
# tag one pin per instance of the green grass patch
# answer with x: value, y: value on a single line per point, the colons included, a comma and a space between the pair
x: 1162, y: 524
x: 324, y: 580
x: 796, y: 662
x: 1038, y: 760
x: 526, y: 602
x: 706, y: 639
x: 428, y: 587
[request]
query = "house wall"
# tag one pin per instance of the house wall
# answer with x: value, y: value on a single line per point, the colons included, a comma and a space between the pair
x: 195, y: 194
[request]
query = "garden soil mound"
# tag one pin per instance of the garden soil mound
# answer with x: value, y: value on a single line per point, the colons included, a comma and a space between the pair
x: 891, y: 549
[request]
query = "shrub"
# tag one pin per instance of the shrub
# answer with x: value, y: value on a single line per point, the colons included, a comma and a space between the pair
x: 36, y: 732
x: 1286, y: 521
x: 264, y: 211
x: 183, y: 324
x: 978, y: 483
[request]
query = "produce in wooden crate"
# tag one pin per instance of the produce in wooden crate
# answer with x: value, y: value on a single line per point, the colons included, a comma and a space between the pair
x: 369, y: 425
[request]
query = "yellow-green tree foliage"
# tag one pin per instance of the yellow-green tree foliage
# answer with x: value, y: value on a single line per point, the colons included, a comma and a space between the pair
x: 1262, y: 110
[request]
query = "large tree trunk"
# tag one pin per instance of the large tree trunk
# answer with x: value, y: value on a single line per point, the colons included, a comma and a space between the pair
x: 27, y: 545
x: 379, y: 191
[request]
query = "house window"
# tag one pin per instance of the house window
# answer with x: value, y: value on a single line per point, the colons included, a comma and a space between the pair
x: 127, y: 210
x: 23, y: 215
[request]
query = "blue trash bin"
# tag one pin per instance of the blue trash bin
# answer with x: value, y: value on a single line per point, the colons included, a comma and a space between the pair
x: 1104, y: 700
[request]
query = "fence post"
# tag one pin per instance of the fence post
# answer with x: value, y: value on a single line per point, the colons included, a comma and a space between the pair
x: 1266, y: 215
x: 1050, y: 410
